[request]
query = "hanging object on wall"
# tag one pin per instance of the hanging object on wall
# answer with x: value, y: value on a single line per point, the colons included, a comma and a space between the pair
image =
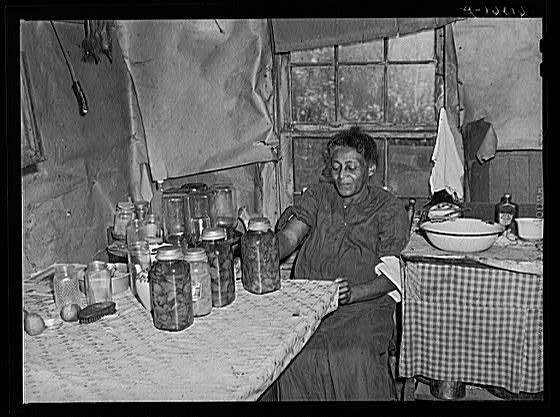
x: 76, y: 87
x: 97, y: 41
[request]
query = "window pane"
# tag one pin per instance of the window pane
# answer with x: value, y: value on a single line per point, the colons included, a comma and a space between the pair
x: 318, y: 55
x: 313, y: 94
x: 361, y: 52
x: 419, y: 46
x: 311, y: 163
x: 409, y: 168
x: 411, y: 94
x: 361, y: 93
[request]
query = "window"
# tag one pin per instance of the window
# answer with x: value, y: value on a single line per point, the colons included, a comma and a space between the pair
x: 389, y: 87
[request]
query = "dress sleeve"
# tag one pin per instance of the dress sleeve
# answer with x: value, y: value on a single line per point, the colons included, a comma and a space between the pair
x: 393, y: 230
x: 307, y: 207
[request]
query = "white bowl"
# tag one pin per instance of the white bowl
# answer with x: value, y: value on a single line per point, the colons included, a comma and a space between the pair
x: 462, y: 235
x: 530, y: 228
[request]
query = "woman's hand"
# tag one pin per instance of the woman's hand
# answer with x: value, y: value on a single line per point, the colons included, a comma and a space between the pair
x: 344, y: 291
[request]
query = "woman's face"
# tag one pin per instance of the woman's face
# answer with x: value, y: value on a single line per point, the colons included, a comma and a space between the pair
x: 349, y: 171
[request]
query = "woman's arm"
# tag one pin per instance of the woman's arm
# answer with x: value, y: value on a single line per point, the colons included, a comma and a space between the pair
x: 291, y: 236
x: 364, y: 291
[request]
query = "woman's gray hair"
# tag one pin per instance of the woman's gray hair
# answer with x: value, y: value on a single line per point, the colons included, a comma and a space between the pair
x: 357, y: 139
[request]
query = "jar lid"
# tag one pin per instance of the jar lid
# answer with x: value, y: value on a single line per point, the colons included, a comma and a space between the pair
x: 97, y: 265
x: 169, y: 253
x: 193, y: 186
x: 261, y: 224
x: 141, y: 203
x: 125, y: 205
x: 223, y: 186
x: 213, y: 233
x: 195, y: 255
x: 173, y: 195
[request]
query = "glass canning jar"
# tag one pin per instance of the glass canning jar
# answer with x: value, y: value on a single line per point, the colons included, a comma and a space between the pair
x: 99, y: 284
x: 66, y: 287
x: 171, y: 292
x: 173, y: 215
x: 220, y: 260
x: 198, y: 214
x: 200, y: 281
x: 260, y: 258
x: 141, y: 209
x: 138, y: 265
x: 153, y: 229
x: 224, y: 207
x: 135, y: 231
x: 124, y: 214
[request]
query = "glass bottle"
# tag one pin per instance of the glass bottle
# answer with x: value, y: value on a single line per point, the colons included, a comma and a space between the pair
x: 224, y: 207
x: 220, y: 260
x: 98, y: 282
x: 173, y: 215
x: 135, y: 231
x: 124, y: 214
x: 138, y: 265
x: 66, y: 286
x: 141, y: 209
x: 260, y: 258
x: 505, y: 212
x: 200, y: 281
x: 198, y: 215
x: 171, y: 291
x: 153, y: 229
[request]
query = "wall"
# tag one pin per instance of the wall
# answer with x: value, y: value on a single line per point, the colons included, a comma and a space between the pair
x: 68, y: 200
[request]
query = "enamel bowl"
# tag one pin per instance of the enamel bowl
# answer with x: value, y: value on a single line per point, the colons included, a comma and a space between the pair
x: 530, y: 228
x: 462, y: 235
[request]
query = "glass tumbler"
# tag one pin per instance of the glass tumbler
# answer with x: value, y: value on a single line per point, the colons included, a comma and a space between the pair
x: 173, y: 215
x: 198, y: 203
x: 99, y: 285
x: 224, y: 207
x: 141, y: 209
x: 65, y: 283
x: 135, y: 231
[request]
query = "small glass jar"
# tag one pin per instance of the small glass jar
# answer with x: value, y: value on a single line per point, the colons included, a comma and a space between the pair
x: 260, y: 258
x: 200, y: 281
x: 224, y: 207
x: 141, y: 209
x: 171, y: 291
x: 198, y: 215
x: 139, y: 262
x: 123, y: 215
x: 153, y: 229
x: 99, y: 285
x: 66, y: 286
x: 220, y: 260
x: 135, y: 231
x: 173, y: 215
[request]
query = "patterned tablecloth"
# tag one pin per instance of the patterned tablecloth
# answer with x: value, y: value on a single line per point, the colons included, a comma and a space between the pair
x: 476, y: 324
x: 233, y: 354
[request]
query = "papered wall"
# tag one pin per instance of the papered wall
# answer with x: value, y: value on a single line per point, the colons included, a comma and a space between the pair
x: 498, y: 61
x: 68, y: 200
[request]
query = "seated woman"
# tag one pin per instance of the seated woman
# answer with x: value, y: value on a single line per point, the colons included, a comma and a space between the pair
x: 353, y: 233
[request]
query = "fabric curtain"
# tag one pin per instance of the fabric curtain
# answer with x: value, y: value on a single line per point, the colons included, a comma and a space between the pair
x: 297, y: 34
x: 204, y: 93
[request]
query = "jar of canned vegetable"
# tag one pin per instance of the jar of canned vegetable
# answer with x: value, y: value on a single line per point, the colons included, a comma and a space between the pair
x: 200, y: 281
x: 171, y: 292
x: 259, y: 258
x: 220, y: 260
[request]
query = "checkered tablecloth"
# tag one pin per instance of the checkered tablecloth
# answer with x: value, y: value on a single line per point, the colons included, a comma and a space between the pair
x: 478, y: 325
x: 232, y: 354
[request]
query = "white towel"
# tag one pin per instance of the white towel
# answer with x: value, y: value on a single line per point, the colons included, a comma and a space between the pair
x: 390, y: 267
x: 447, y: 172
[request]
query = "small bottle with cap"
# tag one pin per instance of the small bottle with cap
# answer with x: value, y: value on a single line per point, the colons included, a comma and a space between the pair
x: 505, y: 212
x: 171, y: 292
x: 200, y: 281
x: 220, y: 260
x: 260, y: 257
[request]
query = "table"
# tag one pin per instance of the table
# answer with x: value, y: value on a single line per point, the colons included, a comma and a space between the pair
x: 233, y: 354
x: 475, y: 318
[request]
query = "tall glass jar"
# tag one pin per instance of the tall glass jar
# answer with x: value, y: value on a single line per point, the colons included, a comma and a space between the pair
x: 200, y: 281
x: 135, y: 231
x: 139, y: 267
x: 141, y: 209
x: 187, y: 190
x: 171, y: 291
x: 224, y: 207
x: 99, y: 285
x: 198, y: 215
x: 124, y: 214
x: 153, y: 229
x: 220, y: 260
x: 173, y: 215
x: 260, y: 258
x: 66, y: 286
